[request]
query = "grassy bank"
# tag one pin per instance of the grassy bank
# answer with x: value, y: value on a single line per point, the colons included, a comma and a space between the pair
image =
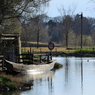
x: 71, y: 51
x: 43, y: 47
x: 57, y: 66
x: 45, y: 50
x: 10, y: 82
x: 89, y: 51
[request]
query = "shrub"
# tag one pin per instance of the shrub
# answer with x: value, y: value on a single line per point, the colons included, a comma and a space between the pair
x: 11, y: 85
x: 57, y: 66
x: 6, y: 81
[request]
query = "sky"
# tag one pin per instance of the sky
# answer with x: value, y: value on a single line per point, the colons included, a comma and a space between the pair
x: 82, y: 6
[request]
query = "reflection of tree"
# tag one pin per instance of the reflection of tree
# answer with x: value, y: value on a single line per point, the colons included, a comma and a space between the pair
x: 66, y: 72
x: 50, y: 85
x: 81, y: 75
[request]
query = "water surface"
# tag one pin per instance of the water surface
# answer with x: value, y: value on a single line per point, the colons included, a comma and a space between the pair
x: 77, y: 77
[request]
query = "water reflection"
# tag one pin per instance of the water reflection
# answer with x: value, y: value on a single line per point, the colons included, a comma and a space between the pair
x: 81, y: 76
x: 28, y: 77
x: 66, y: 73
x: 43, y: 83
x: 73, y: 76
x: 50, y: 86
x: 77, y: 77
x: 39, y: 80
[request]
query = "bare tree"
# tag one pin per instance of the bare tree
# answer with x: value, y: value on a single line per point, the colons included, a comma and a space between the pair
x: 18, y: 8
x: 36, y: 30
x: 66, y: 24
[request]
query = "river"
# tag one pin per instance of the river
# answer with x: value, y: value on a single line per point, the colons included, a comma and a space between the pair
x: 77, y: 77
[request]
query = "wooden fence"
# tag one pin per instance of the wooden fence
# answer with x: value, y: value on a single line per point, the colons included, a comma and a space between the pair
x: 34, y: 58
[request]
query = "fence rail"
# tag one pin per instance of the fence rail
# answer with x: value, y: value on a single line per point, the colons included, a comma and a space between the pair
x: 34, y: 58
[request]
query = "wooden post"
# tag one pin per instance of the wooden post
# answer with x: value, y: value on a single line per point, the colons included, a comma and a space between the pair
x: 40, y: 58
x: 40, y: 50
x: 30, y: 50
x: 2, y: 62
x: 33, y: 51
x: 32, y: 59
x: 47, y: 58
x: 50, y: 54
x: 24, y: 50
x: 93, y: 49
x: 19, y: 47
x: 56, y: 51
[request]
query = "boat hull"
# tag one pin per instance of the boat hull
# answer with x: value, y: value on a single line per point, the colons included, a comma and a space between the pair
x: 20, y: 68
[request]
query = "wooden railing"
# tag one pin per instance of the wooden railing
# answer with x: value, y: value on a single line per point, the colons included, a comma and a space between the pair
x: 34, y: 58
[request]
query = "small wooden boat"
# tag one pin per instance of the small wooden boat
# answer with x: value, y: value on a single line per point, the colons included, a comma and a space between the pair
x: 20, y: 68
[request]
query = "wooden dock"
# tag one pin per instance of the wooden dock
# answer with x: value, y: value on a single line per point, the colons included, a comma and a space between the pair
x: 27, y: 59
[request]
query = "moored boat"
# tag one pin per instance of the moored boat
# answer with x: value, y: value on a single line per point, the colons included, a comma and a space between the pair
x: 20, y: 68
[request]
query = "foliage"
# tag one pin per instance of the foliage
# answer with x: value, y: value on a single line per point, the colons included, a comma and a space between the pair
x: 87, y: 40
x: 44, y: 60
x: 73, y: 35
x: 12, y: 25
x: 18, y: 8
x: 10, y: 81
x: 35, y: 30
x: 57, y: 66
x: 36, y: 56
x: 65, y: 29
x: 7, y: 82
x: 11, y: 85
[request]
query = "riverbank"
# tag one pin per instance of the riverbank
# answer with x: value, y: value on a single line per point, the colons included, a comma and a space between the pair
x: 78, y: 53
x: 9, y: 82
x: 75, y: 54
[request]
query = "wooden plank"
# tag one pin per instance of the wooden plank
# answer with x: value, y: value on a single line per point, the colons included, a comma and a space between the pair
x: 1, y: 56
x: 8, y: 38
x: 10, y: 35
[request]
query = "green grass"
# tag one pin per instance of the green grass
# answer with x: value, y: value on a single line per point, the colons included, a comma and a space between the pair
x: 55, y: 51
x: 85, y: 51
x: 41, y: 49
x: 7, y: 82
x: 10, y: 81
x: 59, y: 50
